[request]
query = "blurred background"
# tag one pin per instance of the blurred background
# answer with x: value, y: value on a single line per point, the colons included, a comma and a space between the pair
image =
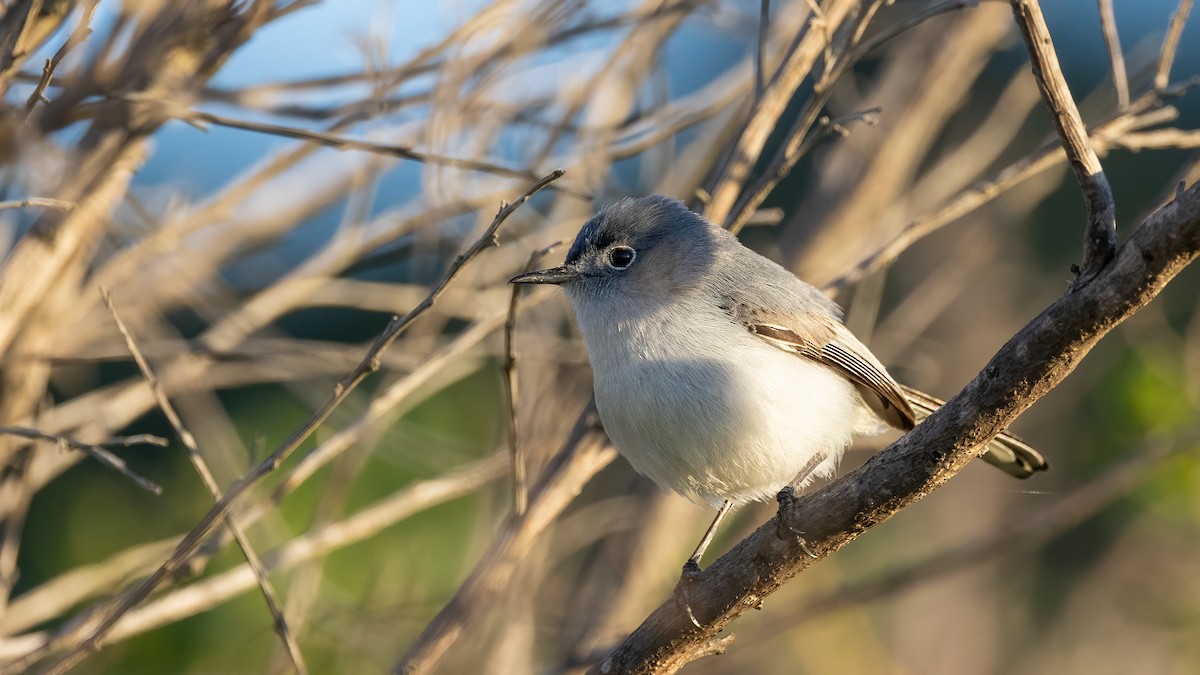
x: 262, y: 185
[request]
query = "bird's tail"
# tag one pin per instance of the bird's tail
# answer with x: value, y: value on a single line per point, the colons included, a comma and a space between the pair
x: 1006, y: 451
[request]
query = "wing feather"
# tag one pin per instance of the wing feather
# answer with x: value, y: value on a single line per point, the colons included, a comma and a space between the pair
x: 836, y: 348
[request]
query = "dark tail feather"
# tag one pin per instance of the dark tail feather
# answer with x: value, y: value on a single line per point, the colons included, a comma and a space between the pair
x: 1006, y: 451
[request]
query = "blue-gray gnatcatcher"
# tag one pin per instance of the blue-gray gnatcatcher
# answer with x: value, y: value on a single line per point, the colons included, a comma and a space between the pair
x: 718, y: 373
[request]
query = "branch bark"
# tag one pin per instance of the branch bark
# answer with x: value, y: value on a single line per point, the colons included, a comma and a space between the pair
x: 1034, y: 361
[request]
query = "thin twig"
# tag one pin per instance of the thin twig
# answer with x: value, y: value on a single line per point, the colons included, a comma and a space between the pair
x: 48, y: 202
x: 890, y: 32
x: 77, y: 36
x: 98, y: 451
x: 279, y: 622
x: 728, y: 177
x: 800, y: 140
x: 1116, y: 60
x: 1100, y: 235
x: 516, y: 451
x: 80, y: 641
x: 388, y: 149
x: 1158, y: 139
x: 1170, y: 45
x: 760, y: 61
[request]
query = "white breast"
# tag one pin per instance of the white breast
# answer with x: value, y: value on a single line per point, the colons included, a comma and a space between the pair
x: 719, y: 414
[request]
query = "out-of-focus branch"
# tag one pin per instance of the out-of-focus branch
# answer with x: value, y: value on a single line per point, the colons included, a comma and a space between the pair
x: 1170, y: 45
x: 98, y: 451
x: 584, y: 453
x: 731, y: 174
x: 1026, y: 368
x: 81, y: 639
x: 520, y: 487
x: 81, y: 33
x: 1100, y: 234
x: 391, y: 150
x: 46, y: 202
x: 1159, y: 139
x: 363, y: 524
x: 1112, y: 133
x: 279, y: 623
x: 1116, y: 60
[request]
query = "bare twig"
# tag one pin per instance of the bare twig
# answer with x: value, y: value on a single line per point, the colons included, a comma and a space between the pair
x: 82, y: 639
x: 391, y: 150
x: 98, y: 451
x: 800, y: 141
x: 47, y: 202
x: 760, y: 55
x: 279, y: 622
x: 1170, y: 45
x: 1100, y: 234
x: 727, y: 180
x: 890, y: 32
x: 520, y: 488
x: 1158, y: 139
x: 77, y: 36
x: 1116, y: 60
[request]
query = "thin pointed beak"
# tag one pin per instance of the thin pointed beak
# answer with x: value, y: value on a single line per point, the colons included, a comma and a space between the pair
x: 555, y: 275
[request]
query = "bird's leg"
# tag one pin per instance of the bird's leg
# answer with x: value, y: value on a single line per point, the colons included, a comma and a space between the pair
x: 691, y: 568
x: 786, y: 497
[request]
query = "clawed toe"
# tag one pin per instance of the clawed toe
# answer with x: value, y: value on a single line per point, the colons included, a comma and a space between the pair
x: 784, y: 529
x: 683, y: 589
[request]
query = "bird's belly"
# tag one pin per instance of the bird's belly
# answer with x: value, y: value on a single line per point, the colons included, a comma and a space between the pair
x: 734, y: 426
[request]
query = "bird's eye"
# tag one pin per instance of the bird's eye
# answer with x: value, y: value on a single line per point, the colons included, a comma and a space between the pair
x: 621, y: 257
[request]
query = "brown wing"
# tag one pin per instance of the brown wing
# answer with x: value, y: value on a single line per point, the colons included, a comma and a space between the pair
x: 826, y: 341
x: 829, y: 343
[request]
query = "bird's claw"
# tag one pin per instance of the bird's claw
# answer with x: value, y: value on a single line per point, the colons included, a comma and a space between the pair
x: 784, y: 529
x: 687, y: 581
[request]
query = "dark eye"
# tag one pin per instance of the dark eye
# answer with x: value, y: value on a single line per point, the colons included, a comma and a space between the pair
x: 621, y: 257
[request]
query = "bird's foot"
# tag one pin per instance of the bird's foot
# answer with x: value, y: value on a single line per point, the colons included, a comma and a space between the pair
x: 784, y: 529
x: 687, y: 583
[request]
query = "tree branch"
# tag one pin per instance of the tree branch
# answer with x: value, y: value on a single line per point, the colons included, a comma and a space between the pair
x: 1026, y: 368
x: 1116, y: 60
x: 1170, y: 45
x: 1100, y: 237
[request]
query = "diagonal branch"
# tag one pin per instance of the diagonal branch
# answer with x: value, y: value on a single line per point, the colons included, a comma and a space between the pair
x: 99, y: 451
x: 1100, y: 237
x: 1026, y: 368
x: 1116, y: 60
x: 210, y: 483
x: 1170, y: 45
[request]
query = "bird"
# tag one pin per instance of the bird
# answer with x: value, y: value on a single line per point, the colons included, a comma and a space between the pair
x: 718, y: 373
